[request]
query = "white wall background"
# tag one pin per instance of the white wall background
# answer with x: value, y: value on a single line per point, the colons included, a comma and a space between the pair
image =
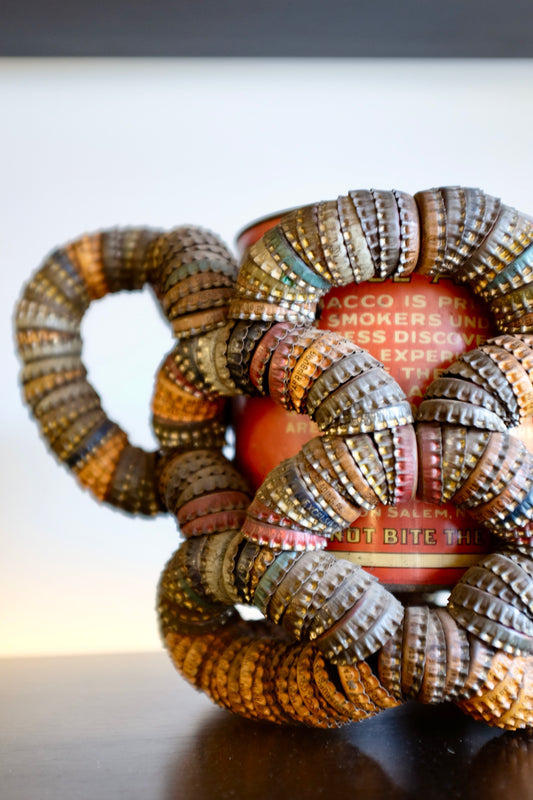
x: 89, y: 144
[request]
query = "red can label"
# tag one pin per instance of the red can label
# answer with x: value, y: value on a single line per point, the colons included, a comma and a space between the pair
x: 416, y: 328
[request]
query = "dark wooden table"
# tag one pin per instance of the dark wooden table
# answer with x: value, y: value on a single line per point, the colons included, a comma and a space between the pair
x: 127, y: 726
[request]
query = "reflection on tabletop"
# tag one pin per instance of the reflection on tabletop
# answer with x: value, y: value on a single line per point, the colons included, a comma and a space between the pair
x: 415, y: 751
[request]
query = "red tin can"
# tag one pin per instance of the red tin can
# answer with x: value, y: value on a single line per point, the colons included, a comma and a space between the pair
x: 416, y: 328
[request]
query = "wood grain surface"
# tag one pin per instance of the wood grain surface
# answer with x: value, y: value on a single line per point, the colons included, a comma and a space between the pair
x: 127, y: 726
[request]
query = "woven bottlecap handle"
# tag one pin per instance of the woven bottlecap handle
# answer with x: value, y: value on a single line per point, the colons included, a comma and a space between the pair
x: 251, y: 331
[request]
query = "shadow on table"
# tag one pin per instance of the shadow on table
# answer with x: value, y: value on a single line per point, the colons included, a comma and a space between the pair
x: 411, y: 752
x: 232, y: 758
